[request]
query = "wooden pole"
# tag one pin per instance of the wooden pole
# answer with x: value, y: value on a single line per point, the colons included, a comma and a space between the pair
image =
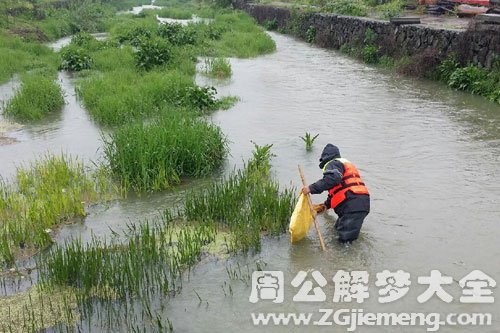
x: 313, y: 212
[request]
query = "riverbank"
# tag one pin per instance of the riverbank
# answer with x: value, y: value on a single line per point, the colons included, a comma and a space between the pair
x: 465, y: 60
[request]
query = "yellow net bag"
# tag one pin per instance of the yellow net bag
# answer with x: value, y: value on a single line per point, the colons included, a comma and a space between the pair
x: 301, y: 220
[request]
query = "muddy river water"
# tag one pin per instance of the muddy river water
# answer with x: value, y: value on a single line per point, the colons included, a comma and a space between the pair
x: 430, y: 157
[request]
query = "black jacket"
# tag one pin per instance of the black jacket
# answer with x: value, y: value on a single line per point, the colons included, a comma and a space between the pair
x: 332, y: 176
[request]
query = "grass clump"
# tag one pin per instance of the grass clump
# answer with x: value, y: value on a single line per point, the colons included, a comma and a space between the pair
x: 241, y: 37
x: 52, y: 190
x: 118, y: 97
x: 157, y: 155
x: 174, y: 12
x: 37, y: 97
x: 219, y: 68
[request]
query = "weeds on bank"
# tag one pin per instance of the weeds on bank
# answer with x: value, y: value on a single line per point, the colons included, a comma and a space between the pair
x: 38, y: 96
x: 471, y: 78
x: 49, y: 191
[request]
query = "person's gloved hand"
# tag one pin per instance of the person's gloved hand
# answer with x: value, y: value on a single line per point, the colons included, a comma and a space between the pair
x: 319, y: 208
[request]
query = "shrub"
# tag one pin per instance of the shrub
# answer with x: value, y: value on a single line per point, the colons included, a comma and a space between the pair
x: 151, y: 53
x: 154, y: 156
x: 38, y: 96
x: 347, y: 7
x: 74, y: 58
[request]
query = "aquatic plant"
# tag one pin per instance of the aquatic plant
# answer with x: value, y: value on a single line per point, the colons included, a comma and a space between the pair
x: 38, y: 96
x: 218, y: 68
x: 309, y: 140
x: 156, y: 155
x: 47, y: 192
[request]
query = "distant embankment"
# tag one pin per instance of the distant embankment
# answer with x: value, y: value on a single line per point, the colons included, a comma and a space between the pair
x: 478, y: 45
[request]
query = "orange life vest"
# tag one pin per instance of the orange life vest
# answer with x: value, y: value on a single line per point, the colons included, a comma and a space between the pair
x: 351, y: 181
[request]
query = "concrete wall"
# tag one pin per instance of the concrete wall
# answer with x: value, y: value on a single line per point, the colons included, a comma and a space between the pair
x: 479, y: 45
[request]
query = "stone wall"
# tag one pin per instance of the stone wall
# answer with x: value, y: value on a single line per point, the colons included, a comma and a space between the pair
x: 479, y: 45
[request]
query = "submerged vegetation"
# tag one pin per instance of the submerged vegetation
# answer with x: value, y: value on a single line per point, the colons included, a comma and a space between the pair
x: 241, y: 208
x: 38, y: 96
x: 50, y: 191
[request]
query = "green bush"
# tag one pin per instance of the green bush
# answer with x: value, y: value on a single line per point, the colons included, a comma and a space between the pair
x: 155, y: 156
x: 468, y: 78
x: 74, y: 58
x: 201, y: 98
x: 37, y: 97
x: 347, y: 7
x: 152, y: 53
x: 178, y: 34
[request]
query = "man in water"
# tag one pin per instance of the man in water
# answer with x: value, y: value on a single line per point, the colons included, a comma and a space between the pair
x: 347, y: 193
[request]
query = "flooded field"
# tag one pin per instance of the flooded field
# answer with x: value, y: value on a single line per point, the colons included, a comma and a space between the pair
x: 430, y: 157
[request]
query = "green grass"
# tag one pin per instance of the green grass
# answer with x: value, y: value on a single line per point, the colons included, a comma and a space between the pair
x: 240, y: 37
x: 51, y: 190
x: 118, y: 97
x: 219, y: 68
x: 38, y: 96
x: 17, y: 56
x: 157, y: 155
x: 248, y: 203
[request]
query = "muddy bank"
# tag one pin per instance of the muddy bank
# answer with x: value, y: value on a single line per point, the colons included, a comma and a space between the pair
x: 479, y: 45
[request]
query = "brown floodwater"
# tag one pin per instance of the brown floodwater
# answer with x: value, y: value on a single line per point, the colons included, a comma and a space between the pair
x: 430, y: 157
